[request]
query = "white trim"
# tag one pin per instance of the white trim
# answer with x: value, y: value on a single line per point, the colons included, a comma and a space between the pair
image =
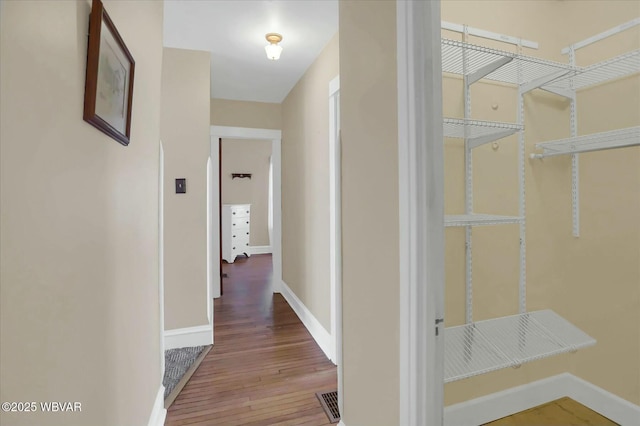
x: 318, y: 332
x: 334, y: 85
x: 161, y: 255
x: 213, y: 268
x: 158, y: 412
x: 270, y: 135
x: 190, y: 336
x: 244, y: 133
x: 213, y: 223
x: 421, y: 212
x: 505, y: 403
x: 510, y: 401
x: 260, y: 249
x: 604, y: 402
x: 341, y: 423
x: 335, y: 231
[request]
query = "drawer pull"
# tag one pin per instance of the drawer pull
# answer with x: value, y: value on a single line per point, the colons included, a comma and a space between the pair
x: 234, y: 236
x: 234, y: 248
x: 247, y: 221
x: 247, y: 233
x: 233, y: 213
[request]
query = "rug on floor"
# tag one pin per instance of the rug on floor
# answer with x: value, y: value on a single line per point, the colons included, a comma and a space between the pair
x: 176, y: 363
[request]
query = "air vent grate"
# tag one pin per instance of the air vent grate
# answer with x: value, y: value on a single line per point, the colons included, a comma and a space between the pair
x: 329, y: 402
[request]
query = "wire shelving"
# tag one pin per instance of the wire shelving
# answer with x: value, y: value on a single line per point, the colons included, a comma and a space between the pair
x: 476, y: 219
x: 490, y: 345
x: 478, y: 132
x: 619, y: 138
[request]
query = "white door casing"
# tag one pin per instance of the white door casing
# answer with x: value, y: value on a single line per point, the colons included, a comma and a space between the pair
x: 335, y: 230
x: 213, y: 257
x: 421, y: 208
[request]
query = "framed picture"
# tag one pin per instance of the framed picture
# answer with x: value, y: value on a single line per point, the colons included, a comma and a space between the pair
x: 108, y: 89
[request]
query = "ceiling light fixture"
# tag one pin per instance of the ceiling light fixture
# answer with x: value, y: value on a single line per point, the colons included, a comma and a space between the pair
x: 273, y: 49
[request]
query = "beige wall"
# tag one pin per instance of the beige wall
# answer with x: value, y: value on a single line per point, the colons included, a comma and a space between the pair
x: 594, y: 280
x: 79, y: 300
x: 258, y: 115
x: 248, y: 156
x: 305, y: 185
x: 370, y: 276
x: 185, y: 138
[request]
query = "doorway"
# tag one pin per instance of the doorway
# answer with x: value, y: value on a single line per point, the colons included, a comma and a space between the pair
x: 245, y: 194
x: 265, y: 136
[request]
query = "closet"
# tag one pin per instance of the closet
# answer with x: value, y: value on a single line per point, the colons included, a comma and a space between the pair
x: 478, y: 347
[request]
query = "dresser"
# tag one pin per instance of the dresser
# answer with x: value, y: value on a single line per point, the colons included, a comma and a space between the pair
x: 236, y: 221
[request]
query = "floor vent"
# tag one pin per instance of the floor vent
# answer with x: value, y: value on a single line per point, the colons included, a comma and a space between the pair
x: 329, y: 401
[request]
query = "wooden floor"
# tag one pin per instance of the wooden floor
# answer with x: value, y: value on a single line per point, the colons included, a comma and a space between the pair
x: 264, y: 368
x: 562, y: 412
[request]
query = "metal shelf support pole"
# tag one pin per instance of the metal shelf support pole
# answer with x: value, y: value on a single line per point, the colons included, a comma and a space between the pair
x: 468, y: 176
x: 522, y: 293
x: 575, y: 165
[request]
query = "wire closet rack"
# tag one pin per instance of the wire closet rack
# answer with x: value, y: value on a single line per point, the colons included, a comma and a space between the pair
x: 490, y: 345
x: 581, y: 78
x: 479, y: 347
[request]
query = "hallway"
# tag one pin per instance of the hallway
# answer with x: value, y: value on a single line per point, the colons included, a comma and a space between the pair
x: 264, y: 368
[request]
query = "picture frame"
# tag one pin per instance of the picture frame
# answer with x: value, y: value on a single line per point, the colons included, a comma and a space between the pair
x: 108, y: 93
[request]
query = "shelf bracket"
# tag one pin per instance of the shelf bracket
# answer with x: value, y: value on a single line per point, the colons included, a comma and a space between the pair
x: 240, y: 175
x: 538, y: 82
x: 481, y: 140
x: 487, y: 69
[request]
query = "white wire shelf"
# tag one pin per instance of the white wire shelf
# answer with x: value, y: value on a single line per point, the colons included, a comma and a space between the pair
x: 480, y: 220
x: 478, y: 132
x: 485, y: 346
x: 598, y: 73
x: 619, y: 138
x: 497, y: 65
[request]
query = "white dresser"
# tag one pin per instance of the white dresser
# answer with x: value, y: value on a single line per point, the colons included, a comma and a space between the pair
x: 236, y: 220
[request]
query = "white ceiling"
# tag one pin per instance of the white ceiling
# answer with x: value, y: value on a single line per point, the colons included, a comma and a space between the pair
x: 233, y: 31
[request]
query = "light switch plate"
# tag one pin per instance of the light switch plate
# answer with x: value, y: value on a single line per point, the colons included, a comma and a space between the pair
x: 181, y: 186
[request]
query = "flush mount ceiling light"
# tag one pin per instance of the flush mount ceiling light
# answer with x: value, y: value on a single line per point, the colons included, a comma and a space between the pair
x: 273, y: 49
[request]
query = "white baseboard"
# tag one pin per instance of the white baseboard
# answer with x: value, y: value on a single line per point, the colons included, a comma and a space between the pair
x: 501, y: 404
x: 260, y: 249
x: 191, y: 336
x: 341, y: 423
x: 158, y: 412
x: 510, y: 401
x: 604, y: 402
x: 318, y: 332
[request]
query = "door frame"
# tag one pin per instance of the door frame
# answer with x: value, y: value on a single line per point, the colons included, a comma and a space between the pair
x: 161, y: 257
x: 335, y: 231
x: 268, y: 135
x: 421, y: 212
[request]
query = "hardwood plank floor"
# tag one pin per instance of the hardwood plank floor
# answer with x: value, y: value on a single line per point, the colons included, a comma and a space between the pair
x: 562, y: 412
x: 264, y: 368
